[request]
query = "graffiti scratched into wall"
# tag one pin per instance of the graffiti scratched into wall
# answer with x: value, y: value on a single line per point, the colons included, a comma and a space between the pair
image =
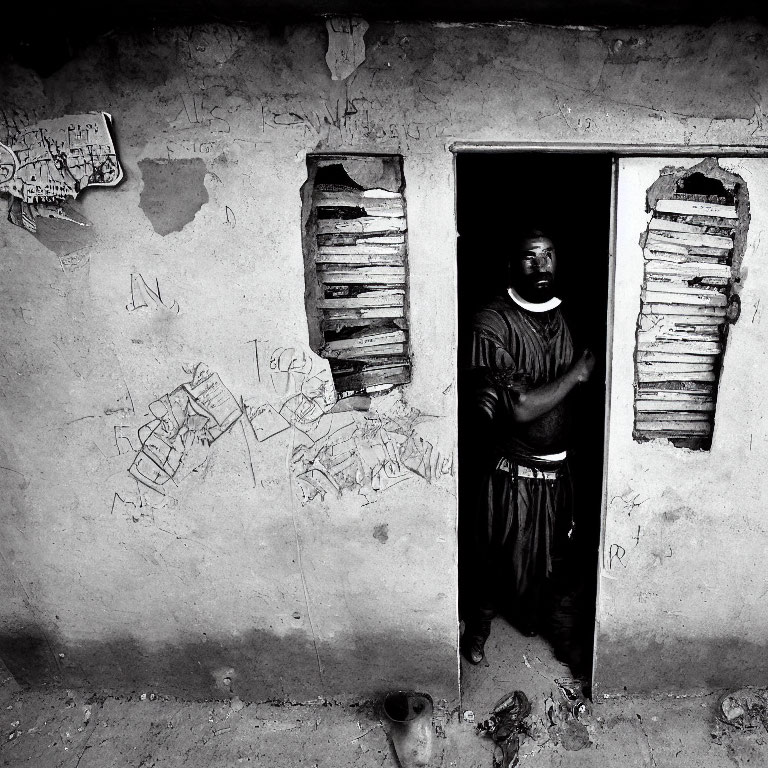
x: 142, y: 296
x: 184, y: 426
x: 360, y: 444
x: 371, y: 453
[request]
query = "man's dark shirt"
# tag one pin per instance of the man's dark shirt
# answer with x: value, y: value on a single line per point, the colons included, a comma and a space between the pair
x: 515, y: 350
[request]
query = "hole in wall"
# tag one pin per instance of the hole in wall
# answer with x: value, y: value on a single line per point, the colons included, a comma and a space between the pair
x: 692, y: 251
x: 355, y: 260
x: 698, y: 184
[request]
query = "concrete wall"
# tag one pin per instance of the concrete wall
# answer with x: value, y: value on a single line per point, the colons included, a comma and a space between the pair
x: 683, y: 580
x: 231, y: 573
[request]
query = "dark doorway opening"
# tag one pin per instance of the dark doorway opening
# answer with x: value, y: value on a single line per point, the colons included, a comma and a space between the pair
x: 568, y: 196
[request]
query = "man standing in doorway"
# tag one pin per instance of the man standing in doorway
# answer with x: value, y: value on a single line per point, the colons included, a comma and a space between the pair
x: 523, y: 372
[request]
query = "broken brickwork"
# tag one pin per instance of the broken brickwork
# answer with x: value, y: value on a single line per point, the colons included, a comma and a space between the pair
x: 355, y: 269
x: 692, y: 252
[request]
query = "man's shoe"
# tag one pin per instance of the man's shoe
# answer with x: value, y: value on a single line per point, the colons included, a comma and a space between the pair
x: 528, y: 628
x: 474, y: 648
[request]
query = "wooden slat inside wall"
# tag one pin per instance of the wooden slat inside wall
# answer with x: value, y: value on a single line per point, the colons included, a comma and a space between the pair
x: 687, y: 281
x: 362, y: 302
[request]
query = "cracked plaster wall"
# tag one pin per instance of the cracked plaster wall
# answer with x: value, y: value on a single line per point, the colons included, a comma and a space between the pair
x: 213, y: 581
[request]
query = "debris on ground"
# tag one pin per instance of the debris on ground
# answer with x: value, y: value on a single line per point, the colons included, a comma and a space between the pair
x: 441, y: 716
x: 537, y: 737
x: 504, y: 726
x: 745, y: 708
x: 568, y: 714
x: 574, y: 735
x: 411, y: 730
x: 574, y: 699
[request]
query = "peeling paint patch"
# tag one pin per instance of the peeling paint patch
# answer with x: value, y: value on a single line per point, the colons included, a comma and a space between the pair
x: 174, y: 191
x: 60, y: 237
x: 51, y: 162
x: 346, y: 47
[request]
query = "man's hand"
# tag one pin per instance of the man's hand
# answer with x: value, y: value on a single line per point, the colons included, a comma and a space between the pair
x: 532, y: 403
x: 584, y: 366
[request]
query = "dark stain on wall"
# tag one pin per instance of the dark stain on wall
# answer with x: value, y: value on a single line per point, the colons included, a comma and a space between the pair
x: 174, y: 191
x: 29, y: 657
x: 641, y: 665
x: 381, y: 533
x: 267, y: 666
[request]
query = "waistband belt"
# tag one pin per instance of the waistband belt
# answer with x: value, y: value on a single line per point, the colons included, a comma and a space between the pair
x: 505, y: 465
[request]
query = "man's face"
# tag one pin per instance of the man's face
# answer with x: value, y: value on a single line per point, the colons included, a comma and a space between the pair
x: 532, y: 270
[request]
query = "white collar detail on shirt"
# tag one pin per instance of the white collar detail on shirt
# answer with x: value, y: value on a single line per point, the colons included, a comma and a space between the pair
x: 543, y: 306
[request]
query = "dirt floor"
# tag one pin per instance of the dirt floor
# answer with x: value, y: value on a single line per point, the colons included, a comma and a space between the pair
x: 86, y: 729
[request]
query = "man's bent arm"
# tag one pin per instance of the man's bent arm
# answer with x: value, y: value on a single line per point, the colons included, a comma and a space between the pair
x: 527, y: 406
